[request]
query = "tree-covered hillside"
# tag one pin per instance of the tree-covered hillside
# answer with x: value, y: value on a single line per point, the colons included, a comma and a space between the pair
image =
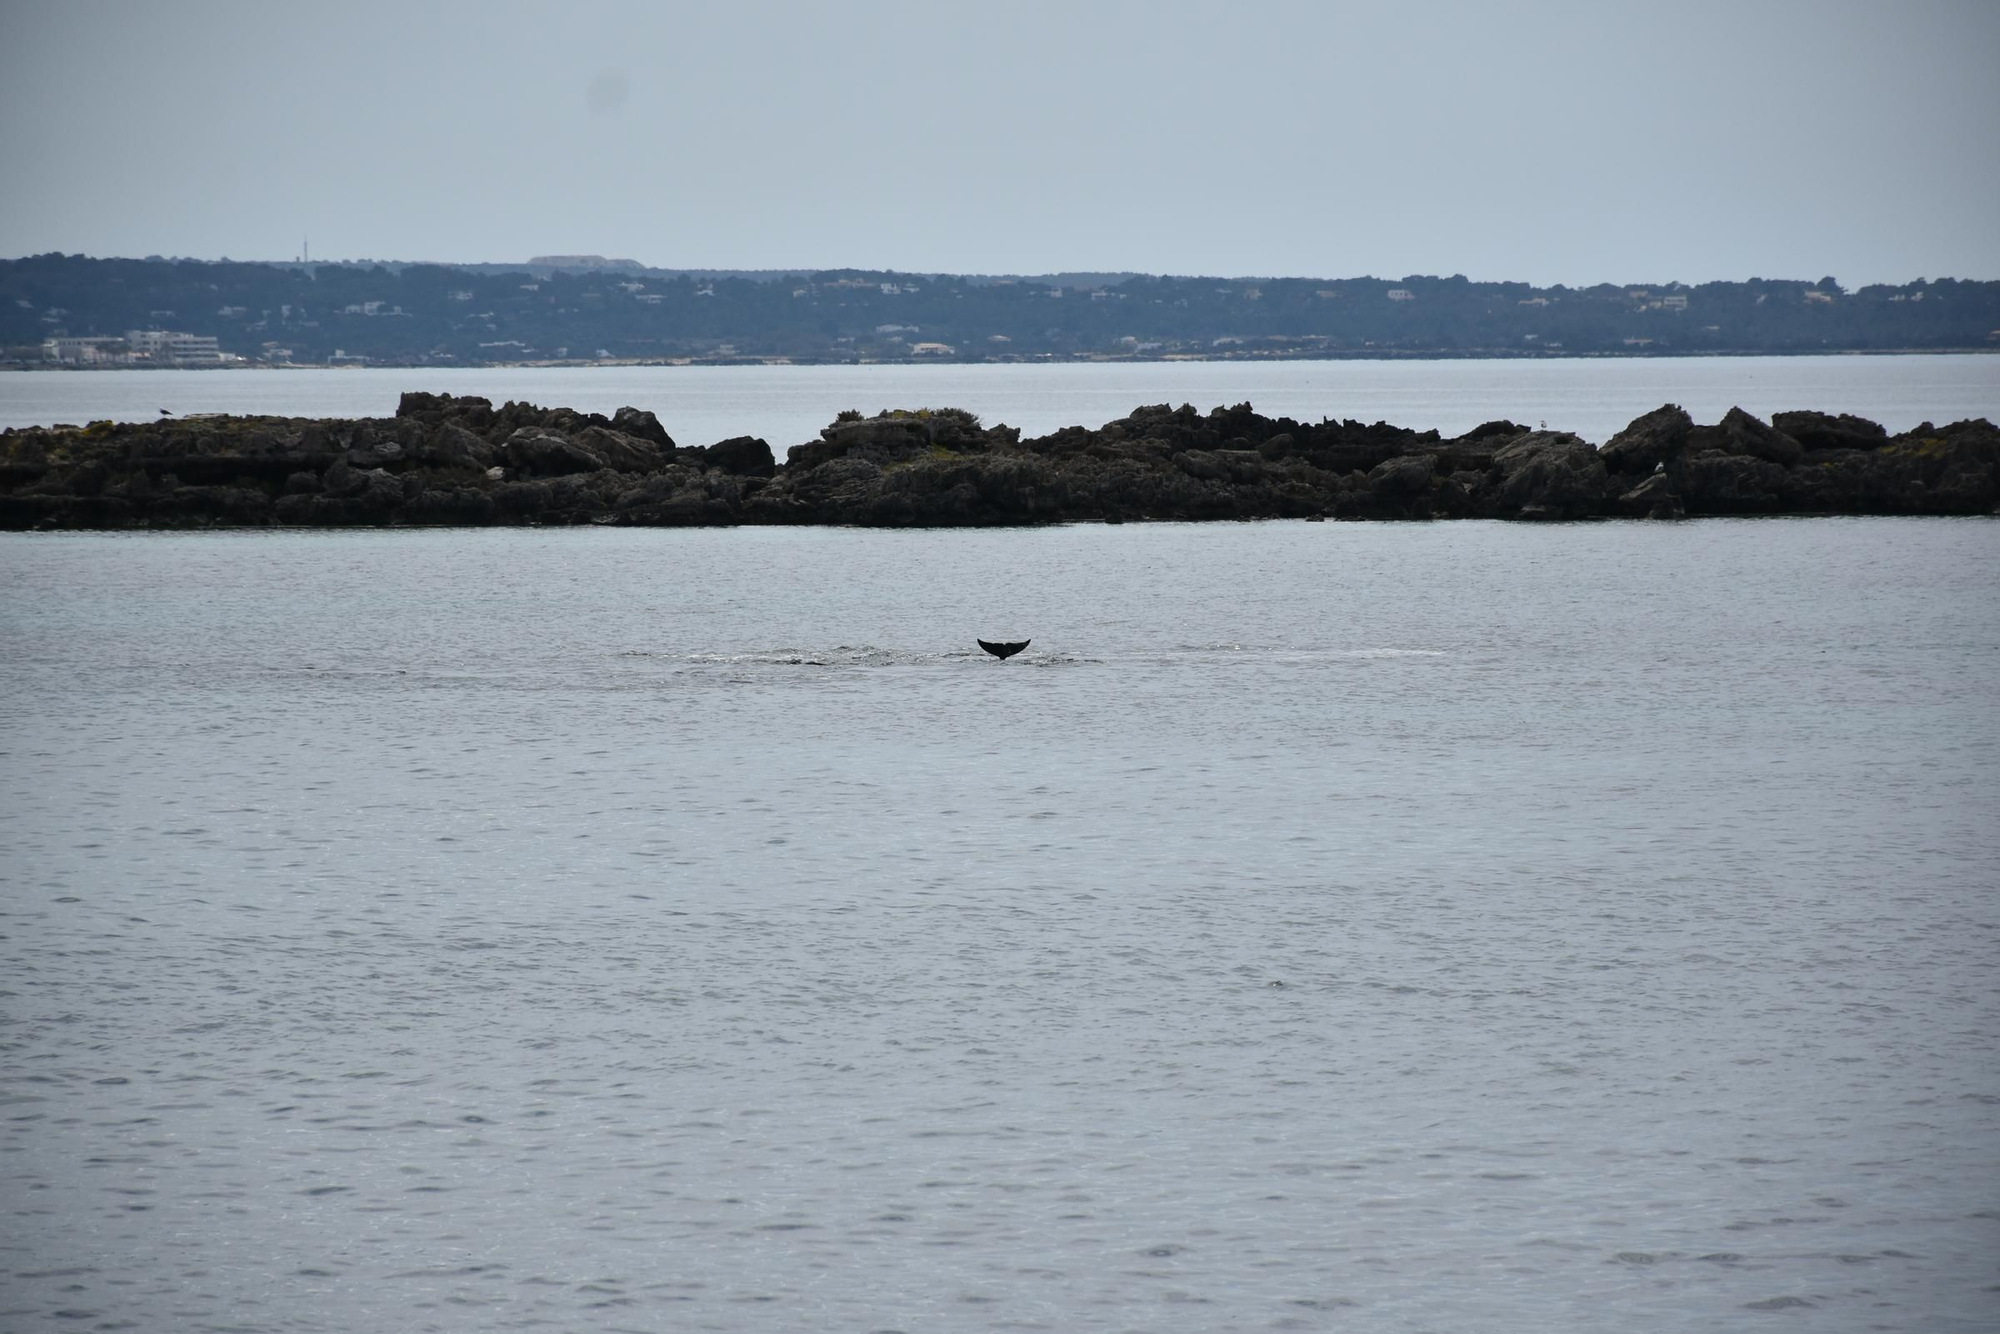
x: 436, y: 314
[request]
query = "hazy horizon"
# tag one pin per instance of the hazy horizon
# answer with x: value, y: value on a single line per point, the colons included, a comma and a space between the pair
x: 1547, y: 143
x: 803, y: 269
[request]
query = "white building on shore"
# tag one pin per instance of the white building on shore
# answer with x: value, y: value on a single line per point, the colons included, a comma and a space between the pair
x: 162, y: 348
x: 92, y: 351
x: 139, y: 347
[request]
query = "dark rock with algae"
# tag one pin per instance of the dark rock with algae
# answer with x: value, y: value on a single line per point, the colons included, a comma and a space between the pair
x: 443, y: 460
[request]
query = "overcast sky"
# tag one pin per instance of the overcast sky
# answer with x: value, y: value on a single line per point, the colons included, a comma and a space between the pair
x: 1550, y: 142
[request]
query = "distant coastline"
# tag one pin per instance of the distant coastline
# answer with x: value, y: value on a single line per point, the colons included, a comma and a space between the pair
x: 74, y: 311
x: 460, y: 461
x: 1080, y: 359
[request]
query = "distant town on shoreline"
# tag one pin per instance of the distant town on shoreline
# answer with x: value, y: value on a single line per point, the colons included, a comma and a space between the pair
x: 73, y: 311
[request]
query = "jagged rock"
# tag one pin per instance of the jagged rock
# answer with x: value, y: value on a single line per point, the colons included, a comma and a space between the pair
x: 1649, y: 441
x: 540, y: 452
x: 896, y: 437
x: 520, y: 502
x: 1178, y: 428
x: 1546, y: 475
x: 581, y: 494
x: 1969, y: 473
x: 414, y: 403
x: 1817, y: 430
x: 1930, y: 470
x: 1718, y: 483
x: 836, y: 491
x: 1408, y: 475
x: 742, y: 456
x: 656, y: 488
x: 454, y: 460
x: 621, y: 452
x: 1245, y: 467
x: 684, y: 509
x: 1201, y: 464
x: 54, y: 482
x: 341, y: 480
x: 136, y: 485
x: 1240, y: 426
x: 24, y: 457
x: 1740, y: 433
x: 375, y: 453
x: 467, y: 410
x: 88, y: 479
x: 643, y: 424
x: 381, y: 493
x: 1653, y: 498
x: 205, y: 469
x: 1451, y: 497
x: 450, y: 445
x: 958, y: 490
x: 849, y: 476
x: 512, y: 416
x: 1496, y: 431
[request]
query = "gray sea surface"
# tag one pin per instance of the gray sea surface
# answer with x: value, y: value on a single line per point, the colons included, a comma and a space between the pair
x: 1402, y: 927
x: 787, y: 405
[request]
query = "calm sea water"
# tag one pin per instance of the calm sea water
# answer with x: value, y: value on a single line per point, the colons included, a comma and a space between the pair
x: 1321, y: 927
x: 786, y: 405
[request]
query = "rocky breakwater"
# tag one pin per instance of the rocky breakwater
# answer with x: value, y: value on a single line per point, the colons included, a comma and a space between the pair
x: 461, y: 461
x: 439, y: 460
